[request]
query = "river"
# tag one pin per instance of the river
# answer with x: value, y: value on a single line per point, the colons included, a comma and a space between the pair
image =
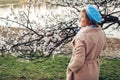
x: 38, y: 12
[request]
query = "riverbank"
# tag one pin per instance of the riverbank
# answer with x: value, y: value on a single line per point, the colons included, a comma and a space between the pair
x: 113, y: 48
x: 18, y: 3
x: 7, y: 3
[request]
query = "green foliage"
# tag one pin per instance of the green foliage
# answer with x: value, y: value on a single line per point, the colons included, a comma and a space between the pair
x: 12, y: 68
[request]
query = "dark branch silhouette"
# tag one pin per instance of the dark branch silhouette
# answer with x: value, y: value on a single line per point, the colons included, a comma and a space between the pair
x: 31, y: 40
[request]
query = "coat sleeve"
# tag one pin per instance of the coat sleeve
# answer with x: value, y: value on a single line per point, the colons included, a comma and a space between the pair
x: 78, y: 55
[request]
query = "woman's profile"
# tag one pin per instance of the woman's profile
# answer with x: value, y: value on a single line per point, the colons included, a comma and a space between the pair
x: 87, y: 46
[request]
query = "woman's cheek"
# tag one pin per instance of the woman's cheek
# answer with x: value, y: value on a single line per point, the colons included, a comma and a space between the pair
x: 82, y: 23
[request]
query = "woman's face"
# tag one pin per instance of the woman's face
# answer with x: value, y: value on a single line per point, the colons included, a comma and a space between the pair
x: 84, y: 21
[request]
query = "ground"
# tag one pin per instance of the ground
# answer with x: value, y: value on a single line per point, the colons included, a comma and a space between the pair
x: 12, y: 68
x: 113, y: 48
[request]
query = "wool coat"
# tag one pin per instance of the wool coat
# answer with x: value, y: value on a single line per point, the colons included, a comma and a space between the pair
x: 87, y: 46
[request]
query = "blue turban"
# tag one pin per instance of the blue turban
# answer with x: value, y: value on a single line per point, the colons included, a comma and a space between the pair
x: 93, y: 14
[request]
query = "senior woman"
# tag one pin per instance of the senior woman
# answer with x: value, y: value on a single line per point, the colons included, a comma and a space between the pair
x: 87, y: 46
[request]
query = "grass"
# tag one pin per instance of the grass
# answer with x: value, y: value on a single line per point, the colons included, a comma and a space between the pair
x: 110, y: 69
x: 50, y: 69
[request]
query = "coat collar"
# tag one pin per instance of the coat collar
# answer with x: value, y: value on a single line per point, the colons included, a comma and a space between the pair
x: 90, y: 29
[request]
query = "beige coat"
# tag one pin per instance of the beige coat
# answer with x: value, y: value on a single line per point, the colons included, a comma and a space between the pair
x: 87, y: 45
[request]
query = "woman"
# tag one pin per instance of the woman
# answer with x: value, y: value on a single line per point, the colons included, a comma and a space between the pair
x: 87, y: 45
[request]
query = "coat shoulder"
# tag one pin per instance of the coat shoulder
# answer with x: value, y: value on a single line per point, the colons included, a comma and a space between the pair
x: 80, y: 35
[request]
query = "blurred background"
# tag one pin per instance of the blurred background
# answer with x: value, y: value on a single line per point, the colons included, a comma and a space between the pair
x: 35, y: 38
